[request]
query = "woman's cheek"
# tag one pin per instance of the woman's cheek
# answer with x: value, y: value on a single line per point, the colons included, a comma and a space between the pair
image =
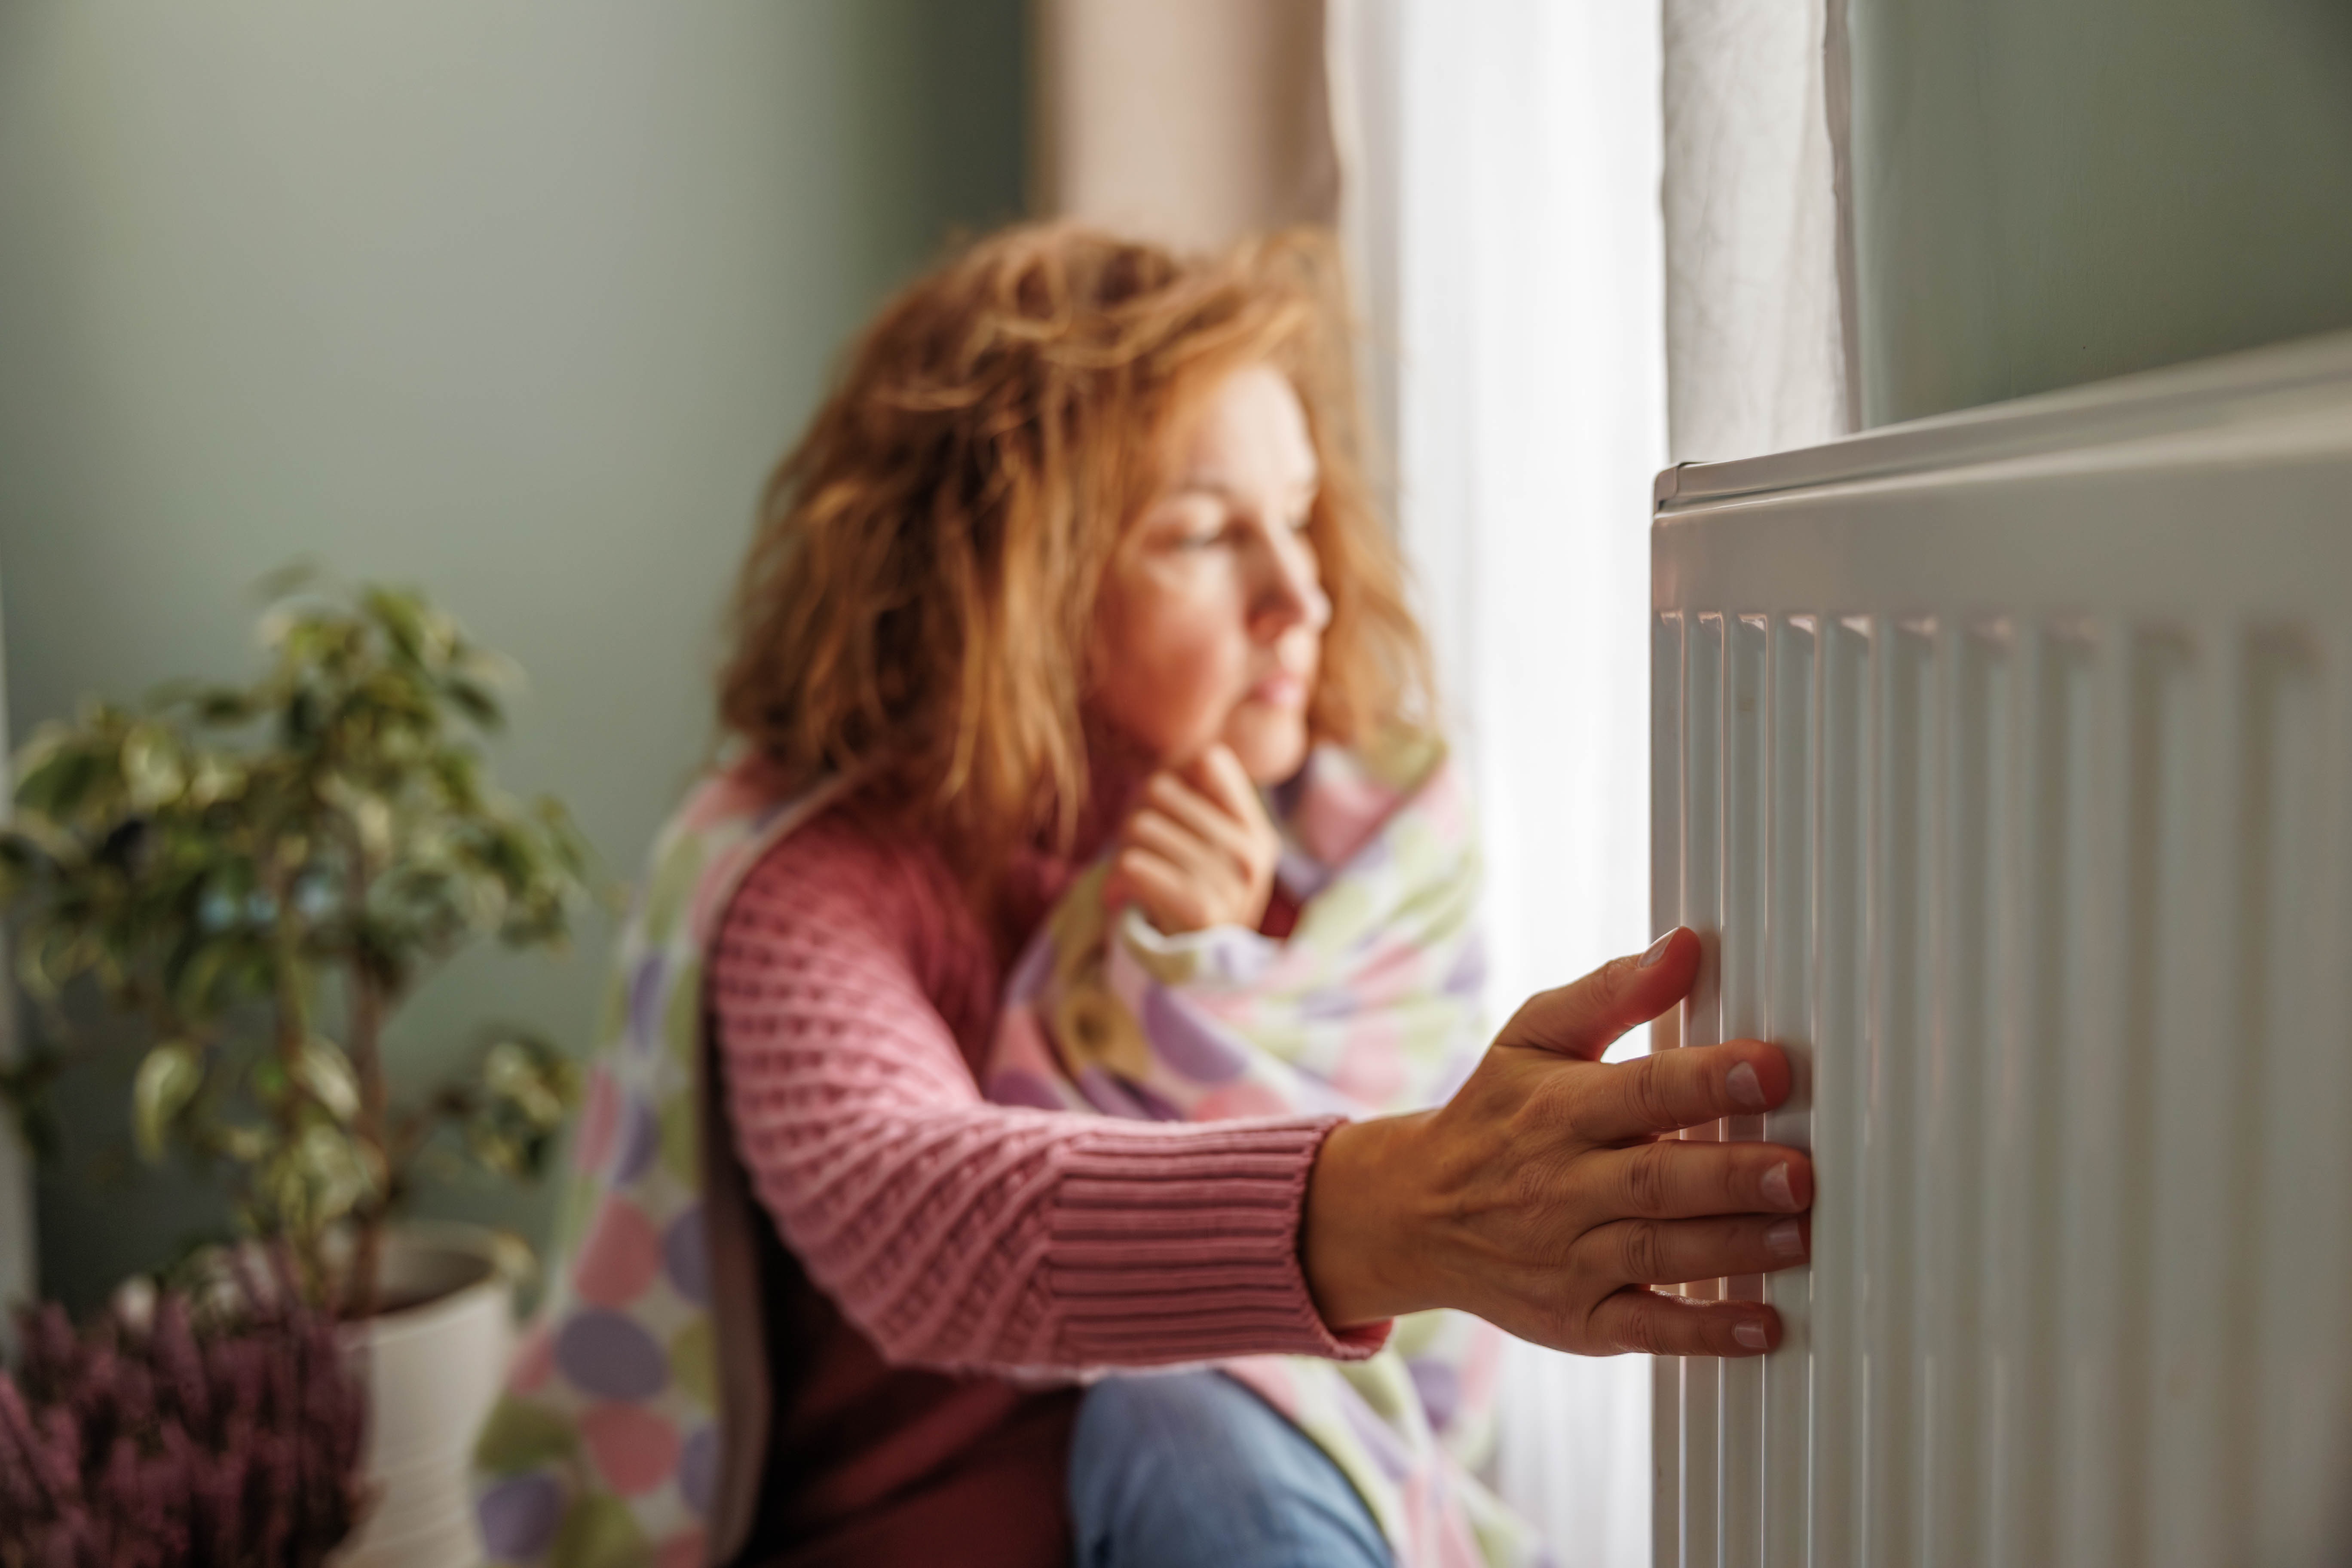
x: 1165, y: 687
x: 1204, y: 690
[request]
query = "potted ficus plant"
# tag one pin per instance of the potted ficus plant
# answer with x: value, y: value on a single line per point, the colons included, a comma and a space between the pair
x: 260, y: 874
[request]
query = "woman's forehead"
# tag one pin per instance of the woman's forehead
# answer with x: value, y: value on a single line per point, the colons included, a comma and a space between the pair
x: 1250, y: 429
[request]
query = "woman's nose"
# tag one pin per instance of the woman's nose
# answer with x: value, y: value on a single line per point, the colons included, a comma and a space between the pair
x: 1291, y: 593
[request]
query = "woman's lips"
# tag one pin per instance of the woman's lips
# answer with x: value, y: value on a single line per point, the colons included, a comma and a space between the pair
x: 1280, y: 689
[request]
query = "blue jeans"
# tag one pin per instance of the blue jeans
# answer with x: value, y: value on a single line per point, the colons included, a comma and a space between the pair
x: 1190, y: 1468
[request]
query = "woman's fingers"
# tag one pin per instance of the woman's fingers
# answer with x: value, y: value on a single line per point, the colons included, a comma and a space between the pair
x: 1222, y: 844
x: 1553, y: 1160
x: 1148, y: 829
x: 1222, y: 778
x: 1667, y: 1091
x: 1672, y: 1251
x: 1671, y: 1179
x: 1651, y: 1323
x: 1167, y: 895
x: 1586, y: 1017
x: 1199, y: 815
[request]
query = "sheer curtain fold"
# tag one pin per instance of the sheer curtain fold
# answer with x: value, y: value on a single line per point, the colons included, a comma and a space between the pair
x: 1499, y: 167
x: 1758, y: 251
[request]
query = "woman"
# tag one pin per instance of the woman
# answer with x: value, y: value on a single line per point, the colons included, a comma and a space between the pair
x: 1077, y: 700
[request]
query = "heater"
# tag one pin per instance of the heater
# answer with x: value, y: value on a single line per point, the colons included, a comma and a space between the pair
x: 2004, y: 762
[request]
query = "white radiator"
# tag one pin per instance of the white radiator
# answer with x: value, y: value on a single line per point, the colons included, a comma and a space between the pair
x: 2005, y: 762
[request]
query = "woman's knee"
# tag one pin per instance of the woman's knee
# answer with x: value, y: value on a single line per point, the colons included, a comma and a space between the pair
x: 1193, y: 1467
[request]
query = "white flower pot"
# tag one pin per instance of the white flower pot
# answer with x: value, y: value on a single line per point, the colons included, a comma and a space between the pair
x: 433, y: 1365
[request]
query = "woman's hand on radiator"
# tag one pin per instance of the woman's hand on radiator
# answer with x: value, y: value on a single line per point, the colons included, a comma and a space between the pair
x: 1550, y: 1194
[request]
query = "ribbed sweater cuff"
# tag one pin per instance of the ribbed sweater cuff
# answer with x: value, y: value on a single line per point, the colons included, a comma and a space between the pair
x: 1186, y: 1248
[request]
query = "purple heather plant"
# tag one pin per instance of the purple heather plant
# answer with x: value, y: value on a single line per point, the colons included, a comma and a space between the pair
x: 222, y: 1434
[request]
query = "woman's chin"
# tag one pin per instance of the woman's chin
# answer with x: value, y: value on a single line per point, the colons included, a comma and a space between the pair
x: 1270, y: 745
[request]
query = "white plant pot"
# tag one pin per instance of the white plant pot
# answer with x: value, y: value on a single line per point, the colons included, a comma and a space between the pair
x: 432, y: 1370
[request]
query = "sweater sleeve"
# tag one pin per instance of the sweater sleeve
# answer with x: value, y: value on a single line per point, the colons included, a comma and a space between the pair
x: 966, y: 1236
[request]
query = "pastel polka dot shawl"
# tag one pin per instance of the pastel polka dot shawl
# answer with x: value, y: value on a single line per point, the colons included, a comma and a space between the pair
x: 1369, y: 1006
x: 607, y: 1447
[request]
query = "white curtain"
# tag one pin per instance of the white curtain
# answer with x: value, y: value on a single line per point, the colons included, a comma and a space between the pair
x: 1759, y: 274
x: 1568, y: 215
x: 1499, y: 187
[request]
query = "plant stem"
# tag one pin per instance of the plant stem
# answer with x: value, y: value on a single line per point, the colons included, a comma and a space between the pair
x: 293, y: 1032
x: 367, y: 1061
x: 368, y: 1004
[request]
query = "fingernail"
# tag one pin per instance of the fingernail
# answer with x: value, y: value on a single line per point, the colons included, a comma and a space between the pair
x: 1747, y: 1089
x: 1657, y: 950
x: 1786, y: 1238
x: 1751, y: 1334
x: 1776, y: 1191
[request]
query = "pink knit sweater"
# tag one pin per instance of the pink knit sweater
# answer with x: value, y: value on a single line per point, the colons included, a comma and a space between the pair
x: 938, y: 1242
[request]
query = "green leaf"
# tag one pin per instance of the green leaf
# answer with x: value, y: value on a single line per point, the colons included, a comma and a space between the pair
x: 242, y: 1143
x: 151, y: 772
x: 458, y: 772
x: 327, y: 1074
x: 476, y: 703
x: 191, y: 975
x: 214, y: 778
x: 328, y: 1164
x: 222, y: 706
x: 57, y: 787
x: 269, y: 1080
x: 166, y: 1082
x: 417, y: 634
x: 515, y: 1073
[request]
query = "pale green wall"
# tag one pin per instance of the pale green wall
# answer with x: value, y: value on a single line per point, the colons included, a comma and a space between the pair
x: 514, y: 300
x: 2049, y: 192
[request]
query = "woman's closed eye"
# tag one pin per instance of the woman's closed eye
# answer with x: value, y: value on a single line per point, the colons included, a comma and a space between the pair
x: 1234, y: 531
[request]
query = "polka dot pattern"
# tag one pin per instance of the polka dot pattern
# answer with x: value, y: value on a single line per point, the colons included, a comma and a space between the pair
x: 605, y: 1355
x: 694, y: 1363
x: 686, y: 1254
x: 633, y: 1449
x: 640, y: 1139
x: 620, y: 1257
x: 534, y: 1359
x: 698, y: 1469
x: 518, y: 1518
x: 598, y: 1114
x: 1199, y: 1052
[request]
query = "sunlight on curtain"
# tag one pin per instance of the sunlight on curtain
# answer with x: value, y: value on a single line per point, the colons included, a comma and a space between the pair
x: 1499, y: 190
x: 1758, y: 272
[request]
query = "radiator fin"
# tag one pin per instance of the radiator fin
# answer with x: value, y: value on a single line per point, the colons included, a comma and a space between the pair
x: 2034, y: 1287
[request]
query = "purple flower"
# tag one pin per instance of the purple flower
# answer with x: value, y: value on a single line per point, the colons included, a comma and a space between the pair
x: 205, y: 1438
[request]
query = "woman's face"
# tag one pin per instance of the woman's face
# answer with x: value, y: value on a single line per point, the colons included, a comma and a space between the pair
x: 1210, y: 626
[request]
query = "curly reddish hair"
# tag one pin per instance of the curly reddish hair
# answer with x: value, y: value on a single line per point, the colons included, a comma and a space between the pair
x: 919, y: 601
